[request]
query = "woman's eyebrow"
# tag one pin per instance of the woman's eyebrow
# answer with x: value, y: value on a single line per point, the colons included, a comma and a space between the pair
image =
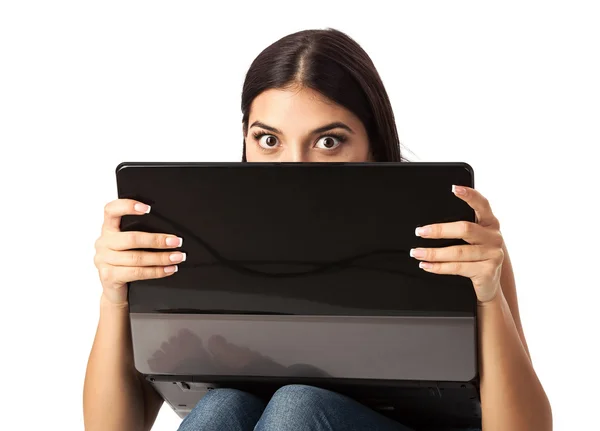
x: 264, y: 126
x: 330, y: 126
x: 335, y: 125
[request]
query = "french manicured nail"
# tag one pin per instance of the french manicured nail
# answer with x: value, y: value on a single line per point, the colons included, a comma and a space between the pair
x: 425, y: 265
x: 420, y: 231
x: 142, y: 208
x: 171, y: 269
x: 417, y: 252
x: 177, y: 257
x: 459, y: 190
x: 174, y: 242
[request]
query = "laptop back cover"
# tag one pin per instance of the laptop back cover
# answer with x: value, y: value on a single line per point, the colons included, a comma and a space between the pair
x: 301, y: 270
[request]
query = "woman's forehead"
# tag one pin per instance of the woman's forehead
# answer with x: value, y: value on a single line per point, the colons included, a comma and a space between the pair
x: 299, y: 108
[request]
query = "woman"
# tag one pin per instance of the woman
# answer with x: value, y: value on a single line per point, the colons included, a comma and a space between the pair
x: 313, y: 96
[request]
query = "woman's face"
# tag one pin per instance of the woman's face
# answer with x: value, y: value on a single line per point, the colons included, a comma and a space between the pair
x: 301, y: 125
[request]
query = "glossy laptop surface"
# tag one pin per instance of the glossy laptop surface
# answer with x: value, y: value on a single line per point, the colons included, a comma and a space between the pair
x: 300, y: 273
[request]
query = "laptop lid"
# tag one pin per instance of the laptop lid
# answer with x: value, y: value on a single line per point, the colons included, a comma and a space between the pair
x: 301, y: 271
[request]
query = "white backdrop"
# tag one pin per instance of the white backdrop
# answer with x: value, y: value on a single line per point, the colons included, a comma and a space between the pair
x: 512, y: 88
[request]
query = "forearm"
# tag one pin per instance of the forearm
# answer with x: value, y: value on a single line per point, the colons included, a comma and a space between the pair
x: 509, y: 288
x: 511, y: 395
x: 113, y: 396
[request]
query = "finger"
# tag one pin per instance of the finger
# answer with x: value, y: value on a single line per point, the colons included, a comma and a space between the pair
x: 141, y: 258
x: 465, y: 269
x: 483, y: 210
x: 472, y: 233
x: 120, y: 275
x: 458, y: 253
x: 113, y: 211
x: 131, y: 240
x: 484, y: 273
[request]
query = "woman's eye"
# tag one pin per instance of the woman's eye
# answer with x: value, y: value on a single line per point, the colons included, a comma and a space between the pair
x: 328, y: 143
x: 268, y: 142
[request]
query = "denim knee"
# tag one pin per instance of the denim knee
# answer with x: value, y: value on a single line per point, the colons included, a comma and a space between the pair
x: 300, y: 407
x: 296, y: 407
x: 224, y: 409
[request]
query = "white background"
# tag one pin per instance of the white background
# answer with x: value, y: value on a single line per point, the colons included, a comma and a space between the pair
x: 513, y: 88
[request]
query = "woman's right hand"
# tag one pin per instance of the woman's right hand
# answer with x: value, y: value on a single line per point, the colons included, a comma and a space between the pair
x: 117, y: 260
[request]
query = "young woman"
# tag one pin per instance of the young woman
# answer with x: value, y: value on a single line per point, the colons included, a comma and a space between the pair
x: 313, y: 96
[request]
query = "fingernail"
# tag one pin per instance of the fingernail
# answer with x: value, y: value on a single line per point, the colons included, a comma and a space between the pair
x: 171, y: 269
x: 142, y: 208
x: 425, y: 265
x: 174, y: 242
x: 417, y: 252
x: 459, y: 190
x: 177, y: 257
x: 420, y: 231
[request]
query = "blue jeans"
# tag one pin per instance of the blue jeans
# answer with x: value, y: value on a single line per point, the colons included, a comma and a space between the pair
x: 292, y: 408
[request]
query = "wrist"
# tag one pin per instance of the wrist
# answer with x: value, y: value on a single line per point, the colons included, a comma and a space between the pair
x: 106, y: 303
x: 493, y: 301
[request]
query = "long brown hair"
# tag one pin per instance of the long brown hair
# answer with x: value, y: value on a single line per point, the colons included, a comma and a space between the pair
x: 332, y: 63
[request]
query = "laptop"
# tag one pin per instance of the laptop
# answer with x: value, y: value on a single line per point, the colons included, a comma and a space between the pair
x: 301, y: 273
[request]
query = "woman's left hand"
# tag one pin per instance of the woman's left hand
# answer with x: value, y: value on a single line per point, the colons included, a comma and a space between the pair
x: 480, y: 260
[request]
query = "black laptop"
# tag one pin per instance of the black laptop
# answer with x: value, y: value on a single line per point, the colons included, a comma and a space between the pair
x: 301, y: 273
